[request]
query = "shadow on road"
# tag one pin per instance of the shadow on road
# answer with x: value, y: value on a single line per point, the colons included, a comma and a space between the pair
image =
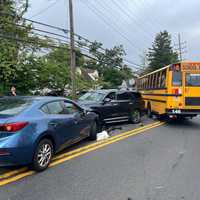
x: 112, y: 129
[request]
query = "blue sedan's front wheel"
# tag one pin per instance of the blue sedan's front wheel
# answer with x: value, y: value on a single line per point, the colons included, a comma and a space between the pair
x: 93, y: 131
x: 43, y: 155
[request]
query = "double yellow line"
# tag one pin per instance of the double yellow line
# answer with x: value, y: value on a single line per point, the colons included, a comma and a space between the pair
x: 23, y: 172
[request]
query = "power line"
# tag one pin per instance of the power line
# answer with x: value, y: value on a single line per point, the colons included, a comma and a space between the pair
x: 44, y: 9
x: 124, y: 22
x: 67, y: 42
x: 151, y: 17
x: 49, y: 46
x: 98, y: 13
x: 42, y: 44
x: 148, y: 23
x: 54, y: 27
x: 63, y: 30
x: 40, y: 30
x: 124, y: 11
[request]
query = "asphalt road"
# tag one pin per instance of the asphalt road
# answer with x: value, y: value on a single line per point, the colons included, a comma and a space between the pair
x: 161, y: 163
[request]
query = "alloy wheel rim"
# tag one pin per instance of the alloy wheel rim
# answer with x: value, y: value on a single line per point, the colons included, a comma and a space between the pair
x: 44, y: 155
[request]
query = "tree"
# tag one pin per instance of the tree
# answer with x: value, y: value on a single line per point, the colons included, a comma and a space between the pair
x: 107, y: 58
x: 53, y: 69
x: 11, y: 49
x: 161, y: 53
x: 110, y: 65
x: 113, y: 77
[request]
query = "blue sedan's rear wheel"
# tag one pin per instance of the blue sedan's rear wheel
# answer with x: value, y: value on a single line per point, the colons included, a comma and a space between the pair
x: 43, y: 155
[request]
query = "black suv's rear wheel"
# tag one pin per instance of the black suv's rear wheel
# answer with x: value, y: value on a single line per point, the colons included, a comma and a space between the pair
x: 135, y: 116
x: 43, y: 155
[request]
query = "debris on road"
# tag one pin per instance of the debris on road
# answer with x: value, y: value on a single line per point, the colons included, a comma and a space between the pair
x: 102, y: 135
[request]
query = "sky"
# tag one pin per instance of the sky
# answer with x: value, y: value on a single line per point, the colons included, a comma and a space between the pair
x: 132, y: 23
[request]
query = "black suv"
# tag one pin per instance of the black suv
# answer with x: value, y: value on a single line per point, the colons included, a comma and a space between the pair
x: 114, y: 105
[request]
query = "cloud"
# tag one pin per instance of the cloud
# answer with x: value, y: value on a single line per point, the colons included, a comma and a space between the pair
x: 137, y: 20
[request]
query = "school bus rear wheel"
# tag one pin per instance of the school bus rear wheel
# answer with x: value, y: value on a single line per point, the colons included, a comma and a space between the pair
x: 149, y: 112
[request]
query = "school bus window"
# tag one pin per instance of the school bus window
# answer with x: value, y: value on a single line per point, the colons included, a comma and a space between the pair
x: 177, y: 78
x: 142, y: 83
x: 192, y: 79
x: 153, y: 81
x: 163, y: 79
x: 157, y: 79
x: 145, y: 82
x: 150, y: 77
x: 141, y: 86
x: 139, y: 83
x: 150, y: 81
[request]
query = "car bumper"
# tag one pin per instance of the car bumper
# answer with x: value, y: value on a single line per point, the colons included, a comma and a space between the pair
x: 15, y: 156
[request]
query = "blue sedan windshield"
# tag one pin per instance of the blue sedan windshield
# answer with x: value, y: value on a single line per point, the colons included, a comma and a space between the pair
x: 12, y: 107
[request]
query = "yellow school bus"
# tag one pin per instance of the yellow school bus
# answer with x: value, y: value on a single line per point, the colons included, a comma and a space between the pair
x: 173, y: 90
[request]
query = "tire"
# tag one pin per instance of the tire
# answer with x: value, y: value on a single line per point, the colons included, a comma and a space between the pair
x: 93, y: 131
x: 136, y: 116
x: 149, y: 113
x: 43, y: 155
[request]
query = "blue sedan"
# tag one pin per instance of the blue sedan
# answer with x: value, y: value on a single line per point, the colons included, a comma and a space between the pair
x: 33, y: 129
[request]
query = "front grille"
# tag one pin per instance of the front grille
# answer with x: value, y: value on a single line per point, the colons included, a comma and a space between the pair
x: 192, y: 101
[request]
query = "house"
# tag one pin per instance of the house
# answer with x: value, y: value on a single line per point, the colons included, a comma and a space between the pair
x: 88, y: 74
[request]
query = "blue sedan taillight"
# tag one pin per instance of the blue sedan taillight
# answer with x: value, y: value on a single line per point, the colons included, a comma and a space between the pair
x: 13, y: 127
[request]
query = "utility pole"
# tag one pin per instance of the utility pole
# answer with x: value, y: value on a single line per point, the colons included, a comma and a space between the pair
x: 180, y: 47
x: 72, y: 50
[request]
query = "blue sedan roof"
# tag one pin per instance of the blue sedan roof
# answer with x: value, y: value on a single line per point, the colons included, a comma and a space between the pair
x: 35, y: 98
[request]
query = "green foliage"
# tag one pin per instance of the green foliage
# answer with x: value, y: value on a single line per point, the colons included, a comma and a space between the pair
x: 110, y: 65
x: 10, y: 49
x: 161, y: 53
x: 110, y: 58
x: 55, y: 72
x: 113, y: 77
x: 33, y: 63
